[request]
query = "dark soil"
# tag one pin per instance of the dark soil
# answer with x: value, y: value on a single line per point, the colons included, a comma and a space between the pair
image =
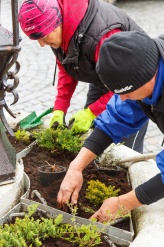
x: 39, y: 156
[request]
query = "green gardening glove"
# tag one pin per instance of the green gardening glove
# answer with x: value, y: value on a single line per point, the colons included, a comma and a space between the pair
x: 81, y: 121
x: 57, y: 118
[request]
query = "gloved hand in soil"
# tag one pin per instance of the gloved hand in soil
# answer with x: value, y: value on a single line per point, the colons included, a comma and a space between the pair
x: 81, y: 121
x: 57, y: 118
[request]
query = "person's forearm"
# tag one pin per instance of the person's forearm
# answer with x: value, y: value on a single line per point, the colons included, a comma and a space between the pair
x: 150, y: 191
x: 73, y: 180
x: 129, y: 201
x: 98, y: 141
x: 84, y: 157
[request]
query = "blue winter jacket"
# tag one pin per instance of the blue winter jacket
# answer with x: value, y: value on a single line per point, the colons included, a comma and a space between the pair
x: 123, y: 118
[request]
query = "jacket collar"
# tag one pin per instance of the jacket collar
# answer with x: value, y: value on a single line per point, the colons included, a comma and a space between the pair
x: 73, y: 12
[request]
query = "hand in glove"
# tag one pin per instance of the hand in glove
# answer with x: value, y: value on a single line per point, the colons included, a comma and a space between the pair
x: 57, y: 118
x: 81, y: 121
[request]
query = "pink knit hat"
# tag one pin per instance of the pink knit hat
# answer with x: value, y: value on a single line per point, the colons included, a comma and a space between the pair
x: 38, y: 18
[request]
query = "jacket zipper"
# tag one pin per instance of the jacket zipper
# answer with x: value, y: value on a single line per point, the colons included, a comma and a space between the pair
x: 152, y: 108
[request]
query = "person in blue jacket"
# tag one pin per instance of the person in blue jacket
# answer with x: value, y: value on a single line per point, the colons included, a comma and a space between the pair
x: 135, y: 73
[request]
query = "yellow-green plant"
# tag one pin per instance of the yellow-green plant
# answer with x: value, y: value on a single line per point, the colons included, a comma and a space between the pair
x: 97, y: 192
x: 28, y: 232
x: 62, y: 139
x: 22, y: 135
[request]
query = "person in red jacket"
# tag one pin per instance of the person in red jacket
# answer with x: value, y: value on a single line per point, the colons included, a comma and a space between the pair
x: 75, y: 32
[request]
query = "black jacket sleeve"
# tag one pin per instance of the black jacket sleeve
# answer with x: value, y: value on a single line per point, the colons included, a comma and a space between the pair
x: 98, y: 141
x: 150, y: 191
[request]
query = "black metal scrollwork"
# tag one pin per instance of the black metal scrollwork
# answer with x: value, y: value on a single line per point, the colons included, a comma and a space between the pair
x: 9, y: 49
x: 9, y: 88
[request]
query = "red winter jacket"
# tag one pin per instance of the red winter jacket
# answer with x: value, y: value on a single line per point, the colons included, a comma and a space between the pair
x: 73, y: 13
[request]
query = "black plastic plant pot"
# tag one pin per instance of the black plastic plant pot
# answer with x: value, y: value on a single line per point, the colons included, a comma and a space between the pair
x: 47, y: 176
x: 111, y: 171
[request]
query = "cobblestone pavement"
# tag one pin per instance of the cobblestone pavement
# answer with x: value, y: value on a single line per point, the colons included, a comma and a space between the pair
x: 35, y: 90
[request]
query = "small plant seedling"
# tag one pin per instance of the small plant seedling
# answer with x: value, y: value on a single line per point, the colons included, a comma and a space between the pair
x: 22, y: 135
x: 53, y: 167
x: 87, y: 209
x: 108, y: 158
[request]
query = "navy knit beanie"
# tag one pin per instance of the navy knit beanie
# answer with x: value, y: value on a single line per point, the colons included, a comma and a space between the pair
x: 127, y: 61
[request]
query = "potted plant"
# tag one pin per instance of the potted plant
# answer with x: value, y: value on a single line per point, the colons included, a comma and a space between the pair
x: 50, y: 173
x: 108, y: 161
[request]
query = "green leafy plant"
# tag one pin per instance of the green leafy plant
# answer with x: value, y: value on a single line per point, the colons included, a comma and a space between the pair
x: 121, y: 213
x: 97, y: 192
x: 45, y: 138
x: 87, y: 209
x: 67, y: 140
x: 87, y: 235
x: 62, y: 139
x: 22, y: 135
x: 30, y: 232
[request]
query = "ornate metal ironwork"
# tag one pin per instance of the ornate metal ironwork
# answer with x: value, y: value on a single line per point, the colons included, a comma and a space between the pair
x: 9, y: 49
